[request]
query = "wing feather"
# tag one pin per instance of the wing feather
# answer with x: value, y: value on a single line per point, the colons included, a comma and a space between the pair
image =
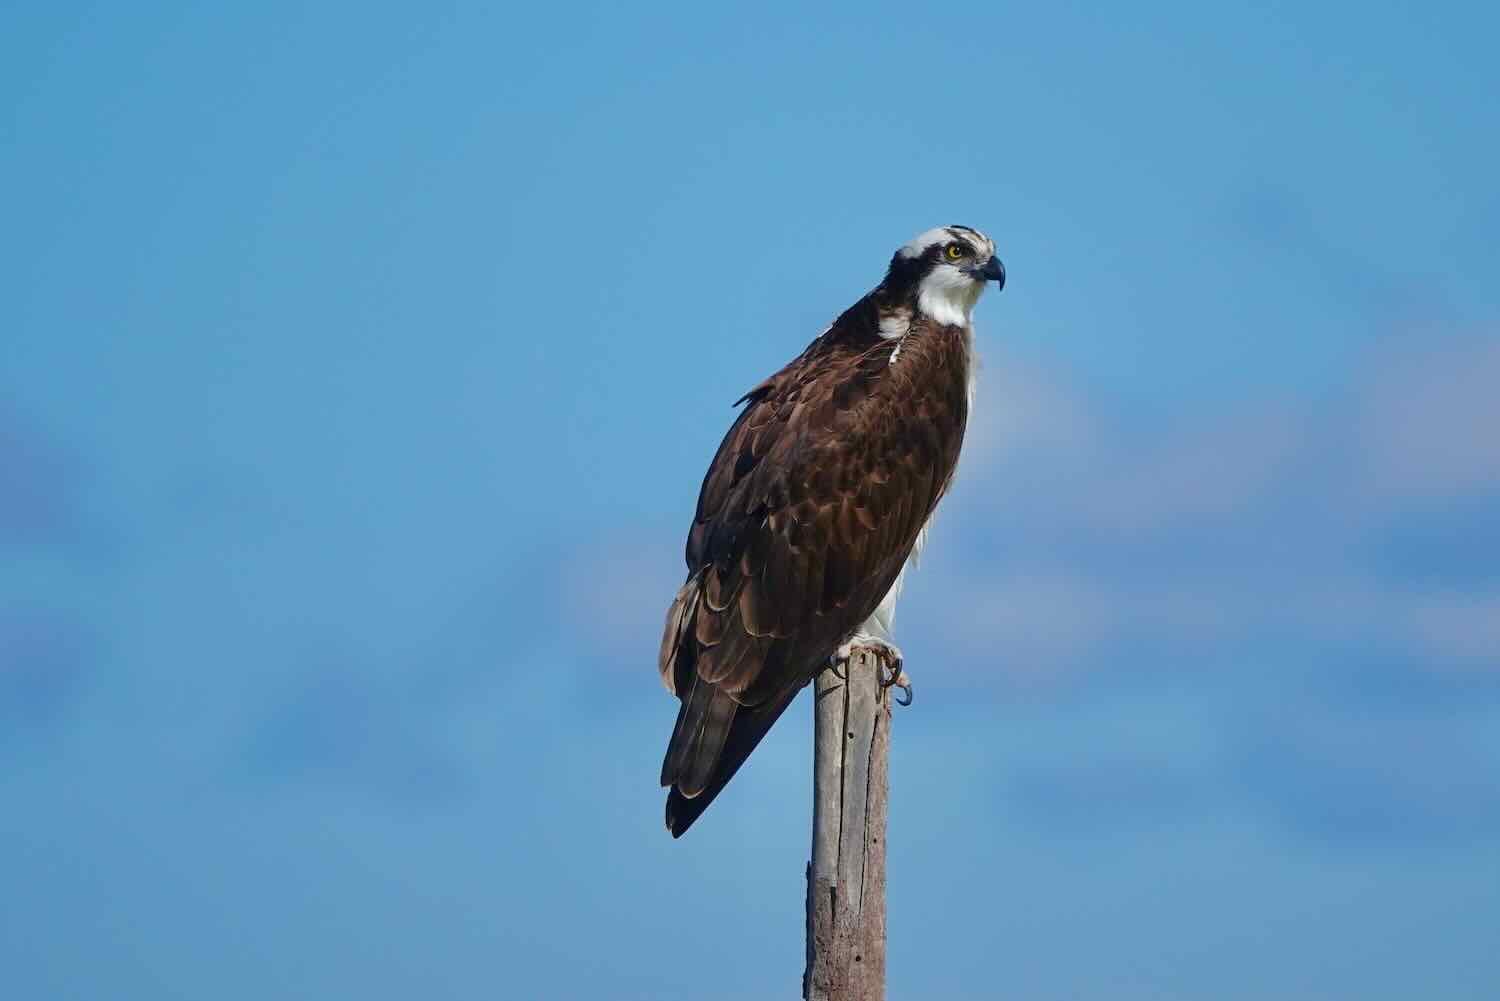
x: 805, y: 518
x: 679, y: 620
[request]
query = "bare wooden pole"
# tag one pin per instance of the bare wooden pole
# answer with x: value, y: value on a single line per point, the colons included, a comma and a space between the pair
x: 846, y: 878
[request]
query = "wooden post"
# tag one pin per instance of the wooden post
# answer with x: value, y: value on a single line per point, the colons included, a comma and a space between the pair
x: 846, y: 878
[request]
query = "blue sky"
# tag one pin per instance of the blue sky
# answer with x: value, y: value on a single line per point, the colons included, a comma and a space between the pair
x: 358, y: 368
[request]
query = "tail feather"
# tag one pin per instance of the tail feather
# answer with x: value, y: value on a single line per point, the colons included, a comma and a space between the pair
x: 684, y: 740
x: 705, y: 755
x: 694, y: 789
x: 703, y: 724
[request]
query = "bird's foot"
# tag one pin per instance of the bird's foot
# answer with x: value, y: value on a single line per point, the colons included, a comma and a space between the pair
x: 887, y: 658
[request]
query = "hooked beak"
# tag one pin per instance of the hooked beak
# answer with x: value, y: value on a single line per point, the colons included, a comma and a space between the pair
x: 994, y: 271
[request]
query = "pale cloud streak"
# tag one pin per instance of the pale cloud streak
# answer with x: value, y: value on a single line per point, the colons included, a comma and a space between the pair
x: 1198, y: 532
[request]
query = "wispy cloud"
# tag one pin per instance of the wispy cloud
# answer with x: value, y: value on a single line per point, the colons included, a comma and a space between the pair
x: 1424, y: 422
x: 1086, y: 535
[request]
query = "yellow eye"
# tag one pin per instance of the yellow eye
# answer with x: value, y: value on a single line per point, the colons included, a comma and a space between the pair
x: 956, y: 251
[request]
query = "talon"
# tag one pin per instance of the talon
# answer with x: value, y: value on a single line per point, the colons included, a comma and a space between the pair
x: 838, y: 662
x: 891, y: 672
x: 888, y: 663
x: 898, y: 679
x: 893, y: 675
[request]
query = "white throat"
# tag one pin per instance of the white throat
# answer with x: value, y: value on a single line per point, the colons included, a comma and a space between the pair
x: 947, y: 295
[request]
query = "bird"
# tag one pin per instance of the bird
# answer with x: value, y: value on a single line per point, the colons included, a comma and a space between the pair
x: 815, y: 504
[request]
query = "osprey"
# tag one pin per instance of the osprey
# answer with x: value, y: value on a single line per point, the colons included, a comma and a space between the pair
x: 818, y: 498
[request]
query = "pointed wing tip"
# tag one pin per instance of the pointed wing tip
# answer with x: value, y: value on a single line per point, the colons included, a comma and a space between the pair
x: 676, y: 824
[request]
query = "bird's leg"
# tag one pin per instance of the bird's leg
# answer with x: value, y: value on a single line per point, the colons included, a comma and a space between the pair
x: 887, y: 656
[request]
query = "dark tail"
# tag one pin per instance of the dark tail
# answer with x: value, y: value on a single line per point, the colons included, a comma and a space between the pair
x: 713, y: 737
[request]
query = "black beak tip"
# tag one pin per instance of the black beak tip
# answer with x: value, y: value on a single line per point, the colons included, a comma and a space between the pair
x: 995, y: 272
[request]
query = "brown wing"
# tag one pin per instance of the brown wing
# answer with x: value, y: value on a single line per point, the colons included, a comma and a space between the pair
x: 806, y: 516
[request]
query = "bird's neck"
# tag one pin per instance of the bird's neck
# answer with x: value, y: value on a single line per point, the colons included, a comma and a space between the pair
x: 918, y: 338
x: 941, y: 305
x: 948, y: 305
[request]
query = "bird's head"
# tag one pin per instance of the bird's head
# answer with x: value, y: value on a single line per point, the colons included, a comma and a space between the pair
x: 943, y: 271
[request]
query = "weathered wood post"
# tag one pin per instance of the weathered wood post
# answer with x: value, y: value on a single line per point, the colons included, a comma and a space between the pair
x: 846, y: 878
